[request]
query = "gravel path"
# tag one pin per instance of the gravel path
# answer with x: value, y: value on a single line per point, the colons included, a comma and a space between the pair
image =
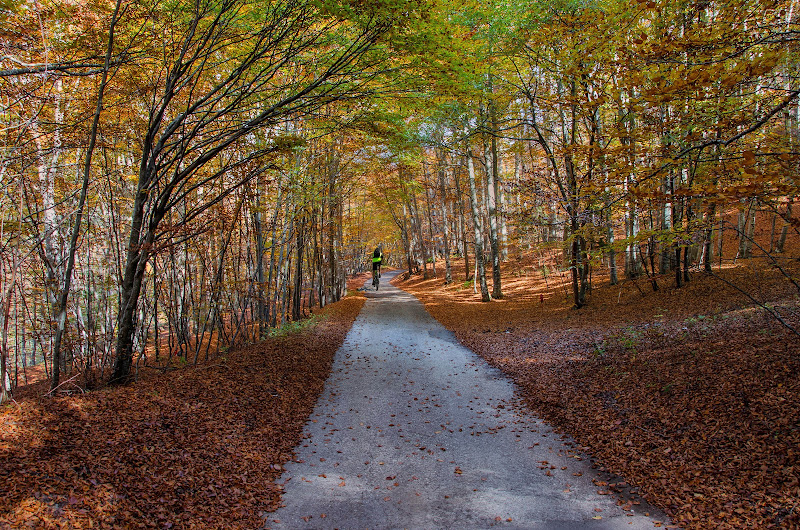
x: 415, y: 431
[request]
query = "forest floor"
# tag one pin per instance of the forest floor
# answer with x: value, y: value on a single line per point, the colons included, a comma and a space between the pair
x: 690, y: 395
x: 195, y: 447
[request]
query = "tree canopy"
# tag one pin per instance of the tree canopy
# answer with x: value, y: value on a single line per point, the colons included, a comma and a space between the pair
x: 180, y: 177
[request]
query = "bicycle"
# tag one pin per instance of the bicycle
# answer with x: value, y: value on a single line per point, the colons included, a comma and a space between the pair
x: 377, y: 261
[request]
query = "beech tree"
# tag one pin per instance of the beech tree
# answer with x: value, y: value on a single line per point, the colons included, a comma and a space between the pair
x: 278, y: 61
x: 211, y: 170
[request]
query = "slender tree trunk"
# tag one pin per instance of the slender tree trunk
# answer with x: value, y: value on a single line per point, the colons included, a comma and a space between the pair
x: 262, y: 314
x: 462, y: 223
x: 335, y: 220
x: 781, y: 244
x: 61, y: 312
x: 573, y: 262
x: 688, y: 249
x: 501, y: 218
x: 676, y: 218
x: 751, y: 230
x: 417, y: 221
x: 666, y: 222
x: 448, y: 275
x: 131, y: 288
x: 612, y: 254
x: 406, y: 235
x: 632, y: 267
x: 584, y: 269
x: 492, y: 185
x: 747, y: 222
x: 476, y: 221
x: 297, y: 295
x: 579, y: 272
x: 686, y: 260
x: 5, y: 307
x: 273, y: 246
x: 47, y: 246
x: 431, y: 237
x: 708, y: 246
x: 651, y: 256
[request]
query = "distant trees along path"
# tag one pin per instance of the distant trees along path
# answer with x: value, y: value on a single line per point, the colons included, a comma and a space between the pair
x: 177, y: 179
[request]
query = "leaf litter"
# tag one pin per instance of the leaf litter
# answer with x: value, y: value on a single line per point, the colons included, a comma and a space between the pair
x: 199, y: 447
x: 692, y: 395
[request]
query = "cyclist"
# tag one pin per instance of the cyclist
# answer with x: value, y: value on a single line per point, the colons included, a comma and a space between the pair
x: 377, y: 260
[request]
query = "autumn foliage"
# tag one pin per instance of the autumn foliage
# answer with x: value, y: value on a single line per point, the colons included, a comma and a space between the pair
x: 178, y: 179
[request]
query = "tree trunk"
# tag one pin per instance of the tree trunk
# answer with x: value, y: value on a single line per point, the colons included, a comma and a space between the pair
x: 579, y: 272
x: 785, y: 229
x: 476, y: 221
x: 612, y: 254
x: 666, y: 223
x: 417, y: 222
x: 297, y: 295
x: 333, y: 220
x: 5, y: 307
x: 133, y: 275
x: 747, y: 222
x: 708, y: 246
x: 406, y: 235
x: 676, y: 217
x: 431, y: 237
x: 492, y: 185
x: 501, y: 218
x: 258, y: 229
x: 462, y: 223
x: 448, y: 275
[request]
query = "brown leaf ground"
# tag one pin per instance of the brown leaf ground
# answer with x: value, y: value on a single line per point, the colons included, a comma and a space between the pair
x: 690, y: 395
x: 198, y: 447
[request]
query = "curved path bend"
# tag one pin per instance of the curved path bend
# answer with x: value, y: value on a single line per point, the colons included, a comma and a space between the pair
x: 414, y: 430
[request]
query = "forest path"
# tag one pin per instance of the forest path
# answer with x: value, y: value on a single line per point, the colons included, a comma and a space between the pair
x: 413, y: 430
